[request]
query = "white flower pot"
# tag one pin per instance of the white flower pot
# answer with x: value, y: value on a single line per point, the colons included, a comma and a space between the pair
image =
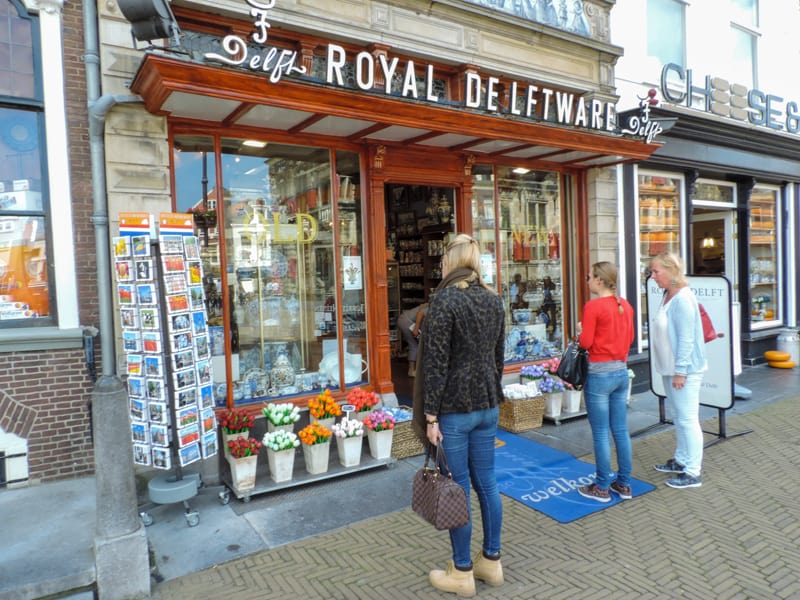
x: 552, y: 404
x: 349, y: 450
x: 316, y: 457
x: 571, y: 402
x: 380, y: 443
x: 243, y: 472
x: 288, y: 428
x: 281, y: 465
x: 326, y: 422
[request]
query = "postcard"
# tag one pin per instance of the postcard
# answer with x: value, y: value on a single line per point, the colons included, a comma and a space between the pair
x: 161, y: 458
x: 174, y: 283
x: 154, y: 366
x: 191, y: 247
x: 144, y: 270
x: 172, y: 244
x: 134, y: 364
x: 158, y: 412
x: 177, y: 303
x: 136, y: 387
x: 155, y: 389
x: 189, y: 454
x: 209, y: 421
x: 199, y: 322
x: 188, y: 435
x: 181, y: 341
x: 188, y: 415
x: 139, y: 433
x: 201, y: 348
x: 141, y: 454
x: 184, y: 379
x: 195, y: 273
x: 147, y: 294
x: 159, y: 435
x: 126, y: 294
x: 203, y: 371
x: 124, y: 270
x: 182, y: 359
x: 180, y: 322
x: 140, y: 245
x: 129, y: 317
x: 186, y: 397
x: 138, y: 410
x: 210, y: 444
x: 206, y: 396
x: 122, y: 246
x: 196, y: 297
x: 173, y: 263
x: 151, y: 342
x: 131, y: 341
x: 149, y: 318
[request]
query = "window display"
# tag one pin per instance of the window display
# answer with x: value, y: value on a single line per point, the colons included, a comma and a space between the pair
x: 764, y: 266
x: 529, y: 208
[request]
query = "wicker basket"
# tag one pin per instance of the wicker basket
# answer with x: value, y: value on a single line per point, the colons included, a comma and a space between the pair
x: 522, y: 415
x: 404, y: 442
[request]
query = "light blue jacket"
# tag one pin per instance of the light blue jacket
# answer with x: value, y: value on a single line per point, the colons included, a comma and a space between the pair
x: 686, y: 333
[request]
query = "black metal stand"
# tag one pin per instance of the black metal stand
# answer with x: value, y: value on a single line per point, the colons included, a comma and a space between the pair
x: 723, y: 434
x: 662, y: 419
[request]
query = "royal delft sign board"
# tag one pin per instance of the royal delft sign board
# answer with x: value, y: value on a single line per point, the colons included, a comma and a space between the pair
x: 713, y: 293
x: 529, y: 101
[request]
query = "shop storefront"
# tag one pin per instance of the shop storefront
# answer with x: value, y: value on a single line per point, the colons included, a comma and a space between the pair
x: 327, y: 176
x: 721, y: 192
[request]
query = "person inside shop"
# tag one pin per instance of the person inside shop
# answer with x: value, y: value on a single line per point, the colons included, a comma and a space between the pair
x: 606, y: 331
x: 458, y: 394
x: 410, y: 323
x: 517, y: 291
x: 679, y: 356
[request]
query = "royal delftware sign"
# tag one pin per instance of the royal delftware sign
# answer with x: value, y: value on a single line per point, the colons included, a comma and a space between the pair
x: 480, y: 92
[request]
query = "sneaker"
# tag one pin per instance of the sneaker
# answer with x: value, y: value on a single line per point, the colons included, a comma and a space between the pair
x: 623, y: 491
x: 671, y: 466
x: 595, y: 493
x: 685, y: 481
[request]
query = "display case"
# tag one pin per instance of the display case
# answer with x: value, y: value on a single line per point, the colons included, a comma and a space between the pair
x: 659, y: 226
x: 764, y: 268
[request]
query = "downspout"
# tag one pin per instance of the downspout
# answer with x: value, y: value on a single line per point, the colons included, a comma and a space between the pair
x: 99, y: 106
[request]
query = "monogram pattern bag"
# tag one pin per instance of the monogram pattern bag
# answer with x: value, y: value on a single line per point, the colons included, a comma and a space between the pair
x: 435, y: 496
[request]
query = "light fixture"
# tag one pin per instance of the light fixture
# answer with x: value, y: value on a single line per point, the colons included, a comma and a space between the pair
x: 520, y: 170
x: 708, y: 241
x: 254, y: 144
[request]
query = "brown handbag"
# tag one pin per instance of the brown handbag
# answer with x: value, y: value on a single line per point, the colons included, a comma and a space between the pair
x: 435, y: 496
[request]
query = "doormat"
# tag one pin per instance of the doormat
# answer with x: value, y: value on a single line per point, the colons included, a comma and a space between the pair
x: 547, y: 480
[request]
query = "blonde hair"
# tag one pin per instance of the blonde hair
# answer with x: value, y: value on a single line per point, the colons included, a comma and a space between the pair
x: 464, y: 252
x: 673, y: 264
x: 607, y: 273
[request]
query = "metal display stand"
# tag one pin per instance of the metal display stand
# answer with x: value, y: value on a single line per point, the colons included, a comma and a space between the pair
x: 565, y: 416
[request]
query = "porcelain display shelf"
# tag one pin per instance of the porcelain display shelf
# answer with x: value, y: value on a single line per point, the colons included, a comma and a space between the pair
x: 265, y: 485
x: 565, y: 416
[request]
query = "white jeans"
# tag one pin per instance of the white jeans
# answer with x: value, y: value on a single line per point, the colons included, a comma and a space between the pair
x: 684, y: 404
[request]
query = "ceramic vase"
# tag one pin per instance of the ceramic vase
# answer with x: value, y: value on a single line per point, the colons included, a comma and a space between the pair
x: 243, y: 472
x: 349, y: 450
x: 226, y: 437
x: 552, y: 404
x: 571, y: 401
x: 316, y: 457
x: 282, y: 373
x: 281, y: 465
x: 380, y: 443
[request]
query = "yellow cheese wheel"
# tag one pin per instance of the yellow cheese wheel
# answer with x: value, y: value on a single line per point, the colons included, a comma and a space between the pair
x: 781, y: 364
x: 777, y: 356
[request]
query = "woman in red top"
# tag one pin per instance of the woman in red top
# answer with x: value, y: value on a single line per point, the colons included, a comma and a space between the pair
x: 607, y: 333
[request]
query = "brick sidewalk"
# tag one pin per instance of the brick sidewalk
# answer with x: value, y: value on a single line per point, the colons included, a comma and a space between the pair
x: 737, y: 537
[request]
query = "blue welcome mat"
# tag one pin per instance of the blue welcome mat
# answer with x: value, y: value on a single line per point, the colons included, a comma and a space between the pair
x: 547, y: 480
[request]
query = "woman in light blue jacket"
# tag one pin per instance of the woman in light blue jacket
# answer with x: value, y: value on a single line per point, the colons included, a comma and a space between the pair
x: 679, y: 356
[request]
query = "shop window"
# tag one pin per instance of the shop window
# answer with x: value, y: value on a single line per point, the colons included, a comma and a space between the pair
x: 24, y: 274
x: 666, y: 31
x: 764, y: 259
x: 283, y: 240
x: 659, y: 228
x: 742, y: 57
x: 529, y: 207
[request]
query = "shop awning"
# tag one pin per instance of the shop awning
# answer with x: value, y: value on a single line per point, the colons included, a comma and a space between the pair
x: 184, y: 89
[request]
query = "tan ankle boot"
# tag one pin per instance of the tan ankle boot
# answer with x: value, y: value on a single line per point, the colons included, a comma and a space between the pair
x: 453, y: 580
x: 490, y: 571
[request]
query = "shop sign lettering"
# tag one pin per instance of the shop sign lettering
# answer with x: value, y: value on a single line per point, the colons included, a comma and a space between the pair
x: 719, y: 97
x: 304, y: 231
x: 557, y: 487
x: 641, y: 124
x: 480, y: 92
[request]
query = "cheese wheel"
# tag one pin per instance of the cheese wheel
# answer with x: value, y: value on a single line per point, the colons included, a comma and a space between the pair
x: 776, y: 356
x: 781, y: 364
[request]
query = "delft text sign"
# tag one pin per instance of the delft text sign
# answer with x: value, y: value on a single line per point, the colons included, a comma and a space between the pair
x: 480, y: 92
x: 735, y: 101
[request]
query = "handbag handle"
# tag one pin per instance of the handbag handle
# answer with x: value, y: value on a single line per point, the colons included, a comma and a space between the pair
x: 440, y: 461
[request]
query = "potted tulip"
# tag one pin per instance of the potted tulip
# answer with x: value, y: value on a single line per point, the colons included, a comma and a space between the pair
x: 235, y: 423
x: 280, y: 446
x: 349, y: 433
x: 243, y: 462
x: 380, y: 431
x: 281, y: 416
x: 362, y: 401
x: 316, y: 441
x: 324, y: 409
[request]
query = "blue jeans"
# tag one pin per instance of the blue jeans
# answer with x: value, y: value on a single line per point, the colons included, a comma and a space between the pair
x: 606, y: 396
x: 685, y: 406
x: 468, y: 440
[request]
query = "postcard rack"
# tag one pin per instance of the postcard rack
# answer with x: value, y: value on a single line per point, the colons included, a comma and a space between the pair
x: 168, y: 362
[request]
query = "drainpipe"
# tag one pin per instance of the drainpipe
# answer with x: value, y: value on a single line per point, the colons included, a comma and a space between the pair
x: 99, y: 106
x: 122, y: 567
